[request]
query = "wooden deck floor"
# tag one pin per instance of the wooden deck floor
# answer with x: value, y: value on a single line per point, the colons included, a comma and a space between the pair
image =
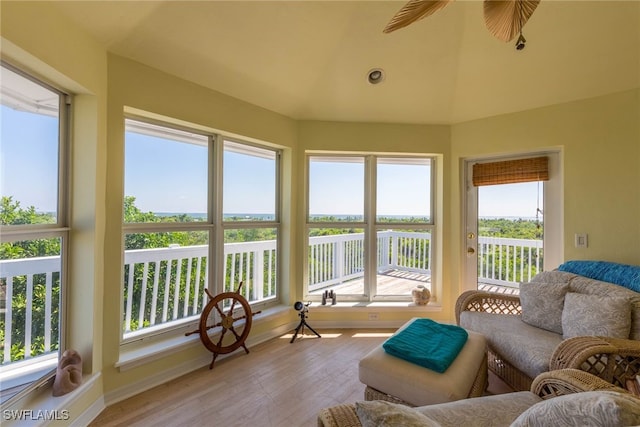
x: 499, y: 289
x: 397, y: 282
x: 392, y: 282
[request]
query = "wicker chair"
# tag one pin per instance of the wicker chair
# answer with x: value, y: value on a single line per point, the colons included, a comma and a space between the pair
x: 547, y: 385
x: 613, y: 360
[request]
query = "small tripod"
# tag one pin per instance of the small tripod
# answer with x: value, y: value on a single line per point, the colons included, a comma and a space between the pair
x: 303, y: 309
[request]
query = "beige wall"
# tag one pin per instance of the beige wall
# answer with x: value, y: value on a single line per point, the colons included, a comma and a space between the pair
x: 600, y: 139
x: 135, y: 86
x: 37, y: 39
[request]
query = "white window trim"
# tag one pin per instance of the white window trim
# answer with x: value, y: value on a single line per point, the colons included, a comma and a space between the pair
x: 37, y: 370
x: 164, y: 338
x: 371, y: 226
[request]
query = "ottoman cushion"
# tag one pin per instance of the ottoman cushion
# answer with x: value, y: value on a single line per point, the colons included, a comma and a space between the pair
x: 420, y: 386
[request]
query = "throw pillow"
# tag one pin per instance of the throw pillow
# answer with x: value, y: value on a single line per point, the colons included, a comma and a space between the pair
x: 542, y: 304
x: 378, y: 413
x: 587, y: 409
x: 585, y: 315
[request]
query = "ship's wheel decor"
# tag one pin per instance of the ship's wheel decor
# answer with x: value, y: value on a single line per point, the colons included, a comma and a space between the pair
x: 232, y: 335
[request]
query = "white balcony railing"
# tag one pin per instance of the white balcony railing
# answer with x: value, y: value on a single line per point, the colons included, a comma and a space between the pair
x: 167, y: 284
x: 36, y: 273
x: 508, y: 262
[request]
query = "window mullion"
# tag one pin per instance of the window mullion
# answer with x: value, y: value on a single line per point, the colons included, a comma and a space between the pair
x: 370, y: 285
x: 216, y: 249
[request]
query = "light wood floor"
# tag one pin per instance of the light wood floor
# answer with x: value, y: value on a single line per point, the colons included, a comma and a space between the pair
x: 276, y: 384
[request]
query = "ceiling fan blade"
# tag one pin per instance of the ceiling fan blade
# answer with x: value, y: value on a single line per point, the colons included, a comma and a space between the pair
x: 414, y: 11
x: 505, y: 19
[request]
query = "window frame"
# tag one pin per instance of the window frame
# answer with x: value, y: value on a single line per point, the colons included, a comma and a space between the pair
x: 214, y: 225
x: 34, y: 373
x: 371, y: 225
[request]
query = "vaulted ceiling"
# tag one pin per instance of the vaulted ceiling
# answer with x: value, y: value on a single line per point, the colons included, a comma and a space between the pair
x: 310, y: 59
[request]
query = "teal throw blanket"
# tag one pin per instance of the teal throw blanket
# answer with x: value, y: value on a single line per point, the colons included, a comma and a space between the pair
x: 620, y: 274
x: 427, y: 343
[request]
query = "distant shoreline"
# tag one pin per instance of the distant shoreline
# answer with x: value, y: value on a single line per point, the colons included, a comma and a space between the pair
x: 338, y: 217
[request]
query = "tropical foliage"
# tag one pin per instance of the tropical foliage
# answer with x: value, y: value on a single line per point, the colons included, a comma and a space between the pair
x: 11, y: 213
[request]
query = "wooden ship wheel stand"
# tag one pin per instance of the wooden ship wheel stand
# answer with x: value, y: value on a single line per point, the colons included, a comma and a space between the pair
x: 227, y: 321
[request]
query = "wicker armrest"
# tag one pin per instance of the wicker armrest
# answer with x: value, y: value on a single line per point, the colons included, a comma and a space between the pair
x: 489, y: 302
x: 612, y: 359
x: 339, y: 416
x: 566, y: 381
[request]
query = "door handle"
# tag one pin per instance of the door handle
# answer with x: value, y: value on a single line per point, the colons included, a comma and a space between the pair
x: 470, y: 251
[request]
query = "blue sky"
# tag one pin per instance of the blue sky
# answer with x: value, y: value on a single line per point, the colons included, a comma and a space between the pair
x: 337, y: 188
x: 509, y: 200
x: 33, y: 159
x: 165, y: 176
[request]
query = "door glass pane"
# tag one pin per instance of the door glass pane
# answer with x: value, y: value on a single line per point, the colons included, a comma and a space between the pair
x: 336, y: 189
x: 165, y: 177
x: 249, y: 183
x: 510, y: 234
x: 336, y: 261
x: 29, y: 148
x: 403, y: 190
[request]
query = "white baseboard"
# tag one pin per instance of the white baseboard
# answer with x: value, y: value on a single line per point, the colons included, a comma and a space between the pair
x: 90, y: 413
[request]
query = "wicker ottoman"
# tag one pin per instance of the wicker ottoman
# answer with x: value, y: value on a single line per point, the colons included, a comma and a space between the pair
x: 397, y: 380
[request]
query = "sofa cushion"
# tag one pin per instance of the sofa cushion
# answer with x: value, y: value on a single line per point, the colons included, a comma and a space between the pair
x: 553, y: 276
x: 586, y: 315
x: 584, y: 285
x: 591, y: 408
x: 527, y: 347
x: 485, y: 411
x: 379, y: 413
x: 542, y: 304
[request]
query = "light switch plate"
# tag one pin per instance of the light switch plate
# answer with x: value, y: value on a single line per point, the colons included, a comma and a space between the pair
x: 581, y: 240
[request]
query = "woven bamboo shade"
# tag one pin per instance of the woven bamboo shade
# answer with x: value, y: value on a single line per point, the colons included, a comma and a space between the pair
x: 511, y: 171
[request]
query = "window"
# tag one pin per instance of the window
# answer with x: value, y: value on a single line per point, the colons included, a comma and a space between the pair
x: 369, y: 226
x: 200, y: 211
x: 250, y: 200
x: 33, y: 228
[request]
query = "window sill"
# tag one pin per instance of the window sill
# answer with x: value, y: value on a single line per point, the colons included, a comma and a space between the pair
x: 42, y: 408
x: 378, y: 305
x: 161, y: 347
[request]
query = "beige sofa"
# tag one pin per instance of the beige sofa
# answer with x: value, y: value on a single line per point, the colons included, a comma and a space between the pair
x: 560, y: 320
x: 552, y: 397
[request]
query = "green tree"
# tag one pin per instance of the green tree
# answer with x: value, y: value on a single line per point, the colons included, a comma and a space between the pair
x: 11, y: 213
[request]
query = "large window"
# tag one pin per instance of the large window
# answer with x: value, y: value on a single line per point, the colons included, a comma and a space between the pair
x: 33, y: 228
x: 369, y: 226
x: 200, y: 212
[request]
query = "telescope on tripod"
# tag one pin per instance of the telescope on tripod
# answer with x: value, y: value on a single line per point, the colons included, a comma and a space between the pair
x: 302, y: 309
